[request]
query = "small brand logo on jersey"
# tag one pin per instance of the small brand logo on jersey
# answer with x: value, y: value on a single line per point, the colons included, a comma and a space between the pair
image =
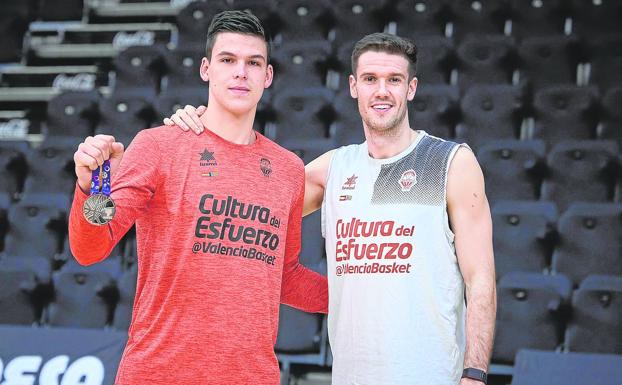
x: 408, y: 180
x: 345, y: 198
x: 210, y: 174
x: 266, y: 166
x: 350, y: 183
x: 207, y: 158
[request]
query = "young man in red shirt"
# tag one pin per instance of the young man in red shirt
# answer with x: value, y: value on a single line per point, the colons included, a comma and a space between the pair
x: 218, y: 224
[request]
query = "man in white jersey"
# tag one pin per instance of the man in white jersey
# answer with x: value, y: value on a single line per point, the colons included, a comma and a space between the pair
x: 408, y: 228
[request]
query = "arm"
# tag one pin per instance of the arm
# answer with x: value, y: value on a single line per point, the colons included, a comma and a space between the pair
x: 316, y: 173
x: 301, y: 288
x: 469, y: 216
x: 133, y: 184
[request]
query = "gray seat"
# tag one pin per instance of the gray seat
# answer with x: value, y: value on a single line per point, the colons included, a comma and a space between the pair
x: 36, y: 215
x: 83, y: 298
x: 596, y: 322
x: 580, y: 171
x: 523, y: 235
x: 24, y: 284
x: 530, y: 313
x: 513, y: 169
x: 127, y: 290
x: 490, y: 112
x: 590, y: 241
x: 534, y: 367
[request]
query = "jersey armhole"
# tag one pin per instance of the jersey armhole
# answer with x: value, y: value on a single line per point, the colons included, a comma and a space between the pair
x: 326, y: 187
x: 448, y: 232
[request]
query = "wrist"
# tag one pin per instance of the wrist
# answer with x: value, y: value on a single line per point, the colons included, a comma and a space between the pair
x: 468, y: 381
x: 85, y: 187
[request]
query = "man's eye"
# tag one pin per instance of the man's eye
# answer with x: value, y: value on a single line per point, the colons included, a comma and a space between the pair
x: 226, y: 60
x: 254, y: 63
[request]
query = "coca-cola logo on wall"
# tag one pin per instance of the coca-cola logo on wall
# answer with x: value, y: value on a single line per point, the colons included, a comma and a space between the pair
x: 78, y: 82
x: 124, y: 39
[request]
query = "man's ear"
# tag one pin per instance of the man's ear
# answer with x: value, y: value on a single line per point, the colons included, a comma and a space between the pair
x: 269, y: 76
x: 203, y: 70
x: 412, y: 88
x: 352, y: 82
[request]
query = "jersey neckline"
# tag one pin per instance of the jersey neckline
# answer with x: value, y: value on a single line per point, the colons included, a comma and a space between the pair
x: 256, y: 142
x: 395, y: 158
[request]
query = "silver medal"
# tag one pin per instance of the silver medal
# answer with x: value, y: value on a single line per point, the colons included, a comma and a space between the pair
x: 99, y: 209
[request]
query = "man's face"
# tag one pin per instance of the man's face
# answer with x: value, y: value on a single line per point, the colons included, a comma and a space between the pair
x: 382, y: 89
x: 237, y: 72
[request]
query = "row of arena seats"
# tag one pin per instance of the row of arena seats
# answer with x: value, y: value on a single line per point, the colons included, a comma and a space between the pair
x: 478, y: 59
x: 483, y: 59
x: 35, y: 290
x: 573, y: 170
x: 543, y: 312
x: 482, y: 114
x: 73, y: 296
x: 534, y: 310
x: 528, y: 235
x: 348, y: 19
x: 43, y: 216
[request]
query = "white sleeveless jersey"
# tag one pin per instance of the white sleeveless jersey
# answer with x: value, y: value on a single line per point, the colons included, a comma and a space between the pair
x: 396, y: 311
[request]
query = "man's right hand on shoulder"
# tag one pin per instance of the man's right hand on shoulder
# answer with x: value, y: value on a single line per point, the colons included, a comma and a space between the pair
x: 92, y: 153
x: 187, y: 118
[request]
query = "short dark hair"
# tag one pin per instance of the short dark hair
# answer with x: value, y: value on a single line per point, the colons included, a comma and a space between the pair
x: 384, y: 42
x: 238, y: 22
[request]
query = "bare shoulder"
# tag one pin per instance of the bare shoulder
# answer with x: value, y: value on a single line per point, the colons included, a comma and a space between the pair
x: 317, y: 170
x: 465, y: 177
x: 464, y: 161
x: 316, y: 173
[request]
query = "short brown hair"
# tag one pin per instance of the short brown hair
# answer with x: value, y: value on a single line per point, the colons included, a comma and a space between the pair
x: 243, y: 22
x: 384, y: 42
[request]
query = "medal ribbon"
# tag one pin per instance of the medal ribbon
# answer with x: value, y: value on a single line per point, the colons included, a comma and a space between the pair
x: 105, y: 179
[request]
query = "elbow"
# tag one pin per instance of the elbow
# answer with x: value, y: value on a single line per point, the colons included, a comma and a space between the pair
x: 482, y: 285
x: 84, y: 257
x: 85, y: 261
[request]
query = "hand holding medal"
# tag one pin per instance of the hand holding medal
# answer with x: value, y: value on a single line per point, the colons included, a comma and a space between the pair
x: 96, y: 159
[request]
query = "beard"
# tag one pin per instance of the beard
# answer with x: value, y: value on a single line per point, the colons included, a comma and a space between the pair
x: 385, y: 127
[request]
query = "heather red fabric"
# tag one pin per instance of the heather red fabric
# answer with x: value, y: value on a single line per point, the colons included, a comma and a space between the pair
x: 218, y: 236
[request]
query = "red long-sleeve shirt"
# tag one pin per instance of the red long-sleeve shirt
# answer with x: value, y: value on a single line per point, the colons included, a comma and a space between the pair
x: 218, y: 235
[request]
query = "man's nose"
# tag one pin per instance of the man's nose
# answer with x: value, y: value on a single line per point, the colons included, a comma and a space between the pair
x: 240, y: 71
x: 382, y: 88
